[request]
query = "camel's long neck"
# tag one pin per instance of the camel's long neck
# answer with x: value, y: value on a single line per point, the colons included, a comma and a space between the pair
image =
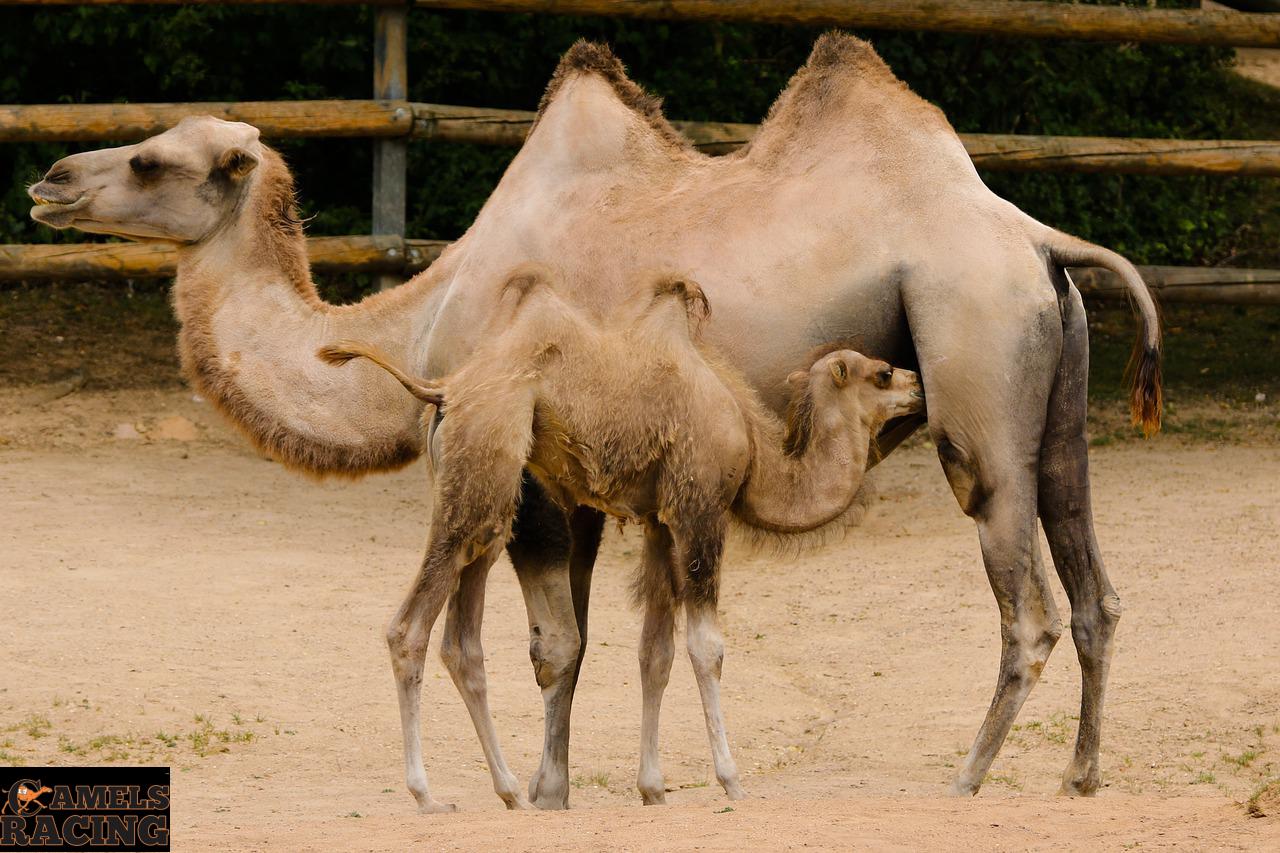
x: 251, y: 325
x: 798, y: 493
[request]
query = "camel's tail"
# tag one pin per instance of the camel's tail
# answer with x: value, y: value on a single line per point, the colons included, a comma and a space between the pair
x: 344, y: 351
x: 1146, y: 397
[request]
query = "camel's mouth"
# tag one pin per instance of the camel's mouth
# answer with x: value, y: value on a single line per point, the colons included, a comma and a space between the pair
x: 54, y: 212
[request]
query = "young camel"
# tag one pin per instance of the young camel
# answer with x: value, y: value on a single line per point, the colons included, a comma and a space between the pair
x: 855, y: 214
x: 630, y: 416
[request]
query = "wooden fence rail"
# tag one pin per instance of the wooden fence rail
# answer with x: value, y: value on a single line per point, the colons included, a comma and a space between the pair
x: 389, y: 119
x: 1029, y: 18
x: 392, y: 121
x: 389, y: 254
x: 91, y: 261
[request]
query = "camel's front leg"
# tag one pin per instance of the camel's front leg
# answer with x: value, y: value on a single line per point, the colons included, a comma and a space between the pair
x: 463, y: 656
x: 700, y: 555
x: 706, y: 652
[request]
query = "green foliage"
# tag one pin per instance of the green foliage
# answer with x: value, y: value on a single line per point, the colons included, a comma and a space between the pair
x: 705, y: 71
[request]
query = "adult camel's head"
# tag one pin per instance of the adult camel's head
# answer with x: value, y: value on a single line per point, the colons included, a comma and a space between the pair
x: 180, y: 186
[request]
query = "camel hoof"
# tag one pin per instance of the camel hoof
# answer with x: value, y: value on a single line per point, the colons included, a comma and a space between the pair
x: 654, y: 798
x: 735, y: 792
x: 551, y: 804
x: 1078, y: 789
x: 436, y: 807
x: 962, y: 789
x: 517, y: 803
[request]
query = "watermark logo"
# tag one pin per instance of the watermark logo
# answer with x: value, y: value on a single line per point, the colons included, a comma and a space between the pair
x: 74, y: 808
x: 24, y: 797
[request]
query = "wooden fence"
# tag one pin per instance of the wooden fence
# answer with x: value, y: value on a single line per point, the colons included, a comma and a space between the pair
x: 392, y: 121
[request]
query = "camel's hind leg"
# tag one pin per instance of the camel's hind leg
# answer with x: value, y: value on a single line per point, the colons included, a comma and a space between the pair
x: 657, y: 651
x: 407, y: 638
x: 987, y: 406
x: 475, y: 499
x: 463, y: 656
x: 1066, y: 511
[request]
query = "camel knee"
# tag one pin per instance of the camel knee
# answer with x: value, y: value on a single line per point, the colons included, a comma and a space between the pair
x: 408, y: 648
x: 1029, y: 645
x: 464, y: 661
x: 1093, y: 626
x: 554, y: 656
x: 706, y: 651
x: 962, y: 474
x: 655, y: 663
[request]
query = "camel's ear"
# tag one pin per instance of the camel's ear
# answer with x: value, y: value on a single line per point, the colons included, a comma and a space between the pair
x: 839, y: 372
x: 236, y: 162
x: 797, y: 378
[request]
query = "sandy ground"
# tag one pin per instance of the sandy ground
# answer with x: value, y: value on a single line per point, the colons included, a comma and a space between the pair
x: 168, y: 597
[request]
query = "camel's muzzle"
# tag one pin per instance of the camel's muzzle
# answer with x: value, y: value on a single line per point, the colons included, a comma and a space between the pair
x: 54, y: 204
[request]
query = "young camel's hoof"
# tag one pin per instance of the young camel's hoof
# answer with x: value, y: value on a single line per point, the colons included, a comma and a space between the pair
x: 436, y: 807
x: 518, y: 803
x: 960, y: 788
x: 735, y: 792
x: 652, y: 788
x: 652, y: 798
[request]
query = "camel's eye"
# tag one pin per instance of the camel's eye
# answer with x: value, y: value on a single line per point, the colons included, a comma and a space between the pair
x: 884, y: 377
x: 142, y: 165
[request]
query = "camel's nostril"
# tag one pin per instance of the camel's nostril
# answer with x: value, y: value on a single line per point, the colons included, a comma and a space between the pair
x: 58, y: 176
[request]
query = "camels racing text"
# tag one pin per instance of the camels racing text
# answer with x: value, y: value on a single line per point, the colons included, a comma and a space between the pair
x: 51, y: 809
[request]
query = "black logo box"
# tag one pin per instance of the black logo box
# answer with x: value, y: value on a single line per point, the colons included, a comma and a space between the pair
x: 141, y: 824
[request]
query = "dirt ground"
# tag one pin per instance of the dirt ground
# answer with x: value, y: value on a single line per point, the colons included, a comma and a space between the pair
x: 172, y: 598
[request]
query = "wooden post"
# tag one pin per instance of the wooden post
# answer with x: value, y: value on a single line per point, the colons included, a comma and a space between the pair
x: 390, y: 156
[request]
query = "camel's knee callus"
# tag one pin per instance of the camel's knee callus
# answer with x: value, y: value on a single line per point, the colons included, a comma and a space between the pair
x: 962, y: 476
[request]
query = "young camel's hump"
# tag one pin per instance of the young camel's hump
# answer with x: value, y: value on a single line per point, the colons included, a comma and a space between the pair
x: 626, y: 411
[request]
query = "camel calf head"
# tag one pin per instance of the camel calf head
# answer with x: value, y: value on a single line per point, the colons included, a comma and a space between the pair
x: 848, y: 386
x: 180, y: 185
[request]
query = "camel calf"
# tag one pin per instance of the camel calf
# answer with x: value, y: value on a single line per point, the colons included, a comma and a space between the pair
x: 628, y: 415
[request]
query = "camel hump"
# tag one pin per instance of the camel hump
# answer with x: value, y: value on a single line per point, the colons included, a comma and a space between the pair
x: 846, y: 95
x: 686, y: 290
x: 597, y: 60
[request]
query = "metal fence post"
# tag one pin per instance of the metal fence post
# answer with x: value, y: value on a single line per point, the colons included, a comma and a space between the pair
x: 390, y: 156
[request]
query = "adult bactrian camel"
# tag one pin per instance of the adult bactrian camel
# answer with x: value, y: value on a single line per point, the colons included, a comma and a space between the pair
x: 628, y: 414
x: 855, y: 214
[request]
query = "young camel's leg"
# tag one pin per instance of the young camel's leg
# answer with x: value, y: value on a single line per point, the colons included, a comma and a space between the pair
x: 700, y: 552
x: 1066, y: 511
x: 657, y: 651
x: 463, y: 656
x: 553, y: 557
x: 475, y: 499
x: 407, y: 638
x: 987, y: 406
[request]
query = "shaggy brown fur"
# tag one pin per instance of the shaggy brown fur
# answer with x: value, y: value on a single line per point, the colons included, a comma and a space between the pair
x: 633, y: 418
